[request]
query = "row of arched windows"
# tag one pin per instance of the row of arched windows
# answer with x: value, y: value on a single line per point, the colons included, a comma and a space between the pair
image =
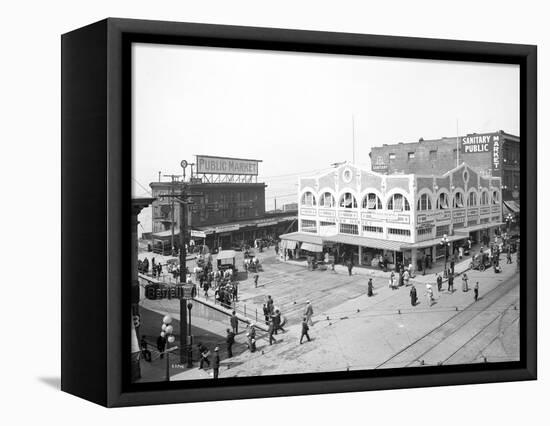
x: 398, y: 202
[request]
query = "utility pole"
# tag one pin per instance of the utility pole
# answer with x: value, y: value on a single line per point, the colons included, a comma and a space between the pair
x: 172, y: 209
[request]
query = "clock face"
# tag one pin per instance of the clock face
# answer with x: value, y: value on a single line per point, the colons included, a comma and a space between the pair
x: 183, y: 164
x: 347, y: 175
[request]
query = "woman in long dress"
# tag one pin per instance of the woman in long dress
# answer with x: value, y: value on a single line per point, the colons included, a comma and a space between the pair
x: 464, y: 282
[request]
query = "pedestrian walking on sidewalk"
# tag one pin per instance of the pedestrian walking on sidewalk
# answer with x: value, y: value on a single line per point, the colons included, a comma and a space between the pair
x: 464, y: 282
x: 308, y: 313
x: 476, y: 291
x: 350, y: 267
x: 439, y: 281
x: 256, y: 276
x: 392, y: 281
x: 406, y: 277
x: 305, y: 329
x: 277, y: 322
x: 251, y: 338
x: 234, y: 321
x: 369, y: 288
x: 450, y: 283
x: 270, y: 305
x: 429, y: 294
x: 413, y: 295
x: 230, y: 340
x: 216, y: 362
x: 508, y: 257
x: 271, y: 331
x: 161, y: 344
x: 453, y: 265
x: 204, y: 354
x: 144, y: 350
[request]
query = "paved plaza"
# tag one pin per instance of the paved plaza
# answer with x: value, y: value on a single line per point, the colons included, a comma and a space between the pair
x: 352, y: 331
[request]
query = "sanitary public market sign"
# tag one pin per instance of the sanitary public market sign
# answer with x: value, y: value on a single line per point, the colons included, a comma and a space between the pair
x: 207, y: 164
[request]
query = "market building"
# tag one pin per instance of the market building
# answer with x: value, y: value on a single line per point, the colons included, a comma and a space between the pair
x: 360, y: 214
x: 229, y: 208
x: 495, y: 154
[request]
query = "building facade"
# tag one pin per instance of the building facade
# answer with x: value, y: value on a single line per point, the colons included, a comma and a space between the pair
x: 495, y: 154
x: 225, y: 215
x: 367, y: 214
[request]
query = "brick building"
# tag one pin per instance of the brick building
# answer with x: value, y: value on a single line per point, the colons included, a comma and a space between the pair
x: 490, y: 154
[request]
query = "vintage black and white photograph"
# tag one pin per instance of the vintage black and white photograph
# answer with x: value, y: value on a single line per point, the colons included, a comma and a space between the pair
x: 306, y: 213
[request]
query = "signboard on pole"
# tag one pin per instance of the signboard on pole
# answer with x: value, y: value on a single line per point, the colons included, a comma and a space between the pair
x: 210, y: 165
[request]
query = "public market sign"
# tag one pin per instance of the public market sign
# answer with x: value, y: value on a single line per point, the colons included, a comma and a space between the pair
x: 207, y: 164
x: 476, y: 143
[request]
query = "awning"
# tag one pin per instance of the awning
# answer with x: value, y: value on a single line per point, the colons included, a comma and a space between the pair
x: 511, y: 206
x: 479, y: 227
x: 355, y: 240
x: 315, y: 248
x: 433, y: 242
x: 302, y: 237
x: 166, y: 234
x: 226, y: 255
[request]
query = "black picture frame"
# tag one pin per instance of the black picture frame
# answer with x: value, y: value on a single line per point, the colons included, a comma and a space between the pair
x: 96, y: 207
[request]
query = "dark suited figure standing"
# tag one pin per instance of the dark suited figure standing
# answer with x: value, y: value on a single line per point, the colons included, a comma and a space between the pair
x: 369, y: 288
x: 439, y: 281
x: 272, y: 330
x: 161, y: 345
x: 216, y: 362
x: 305, y: 329
x: 234, y: 321
x: 230, y: 340
x: 450, y: 283
x: 476, y: 291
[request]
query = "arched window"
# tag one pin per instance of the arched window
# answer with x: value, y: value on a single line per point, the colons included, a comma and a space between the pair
x: 484, y: 198
x: 442, y: 201
x: 472, y: 199
x: 458, y: 200
x: 308, y: 199
x: 398, y: 203
x: 372, y: 202
x: 348, y: 201
x: 327, y: 200
x: 496, y: 197
x: 424, y: 202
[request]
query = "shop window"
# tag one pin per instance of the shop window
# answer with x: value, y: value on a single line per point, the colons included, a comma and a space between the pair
x: 323, y: 223
x: 348, y: 201
x: 472, y: 199
x: 424, y: 202
x: 377, y: 229
x: 458, y: 200
x: 442, y: 201
x: 424, y: 231
x: 309, y: 226
x: 327, y: 200
x: 433, y: 155
x: 372, y: 202
x: 410, y: 155
x: 398, y: 203
x: 391, y: 156
x: 308, y: 199
x: 402, y: 232
x: 347, y: 228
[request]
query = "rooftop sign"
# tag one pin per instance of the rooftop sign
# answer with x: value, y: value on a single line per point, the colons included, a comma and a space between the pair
x: 226, y: 166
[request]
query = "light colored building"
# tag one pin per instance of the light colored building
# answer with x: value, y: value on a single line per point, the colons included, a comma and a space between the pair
x: 364, y: 214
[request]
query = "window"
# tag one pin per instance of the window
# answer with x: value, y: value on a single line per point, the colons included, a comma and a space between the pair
x: 441, y: 230
x: 442, y: 201
x: 327, y: 200
x: 458, y: 200
x: 433, y: 155
x: 484, y: 198
x: 395, y: 231
x: 496, y: 197
x: 411, y: 155
x: 323, y: 223
x: 424, y: 231
x: 377, y: 229
x: 392, y: 156
x: 372, y: 202
x: 308, y: 199
x: 348, y: 201
x: 346, y: 228
x: 424, y: 202
x: 309, y: 226
x: 472, y: 199
x: 398, y: 203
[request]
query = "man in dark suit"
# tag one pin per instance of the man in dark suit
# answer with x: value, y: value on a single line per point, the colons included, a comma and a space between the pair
x: 161, y: 345
x: 450, y: 283
x: 234, y: 321
x: 216, y: 362
x: 305, y: 329
x: 230, y: 339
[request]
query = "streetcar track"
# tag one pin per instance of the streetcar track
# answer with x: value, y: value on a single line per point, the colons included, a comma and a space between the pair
x: 434, y: 330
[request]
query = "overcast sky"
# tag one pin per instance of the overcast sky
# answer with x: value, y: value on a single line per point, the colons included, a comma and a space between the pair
x: 294, y: 110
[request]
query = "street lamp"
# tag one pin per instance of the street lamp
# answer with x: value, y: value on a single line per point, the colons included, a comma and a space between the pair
x: 445, y: 243
x: 190, y: 343
x: 509, y: 219
x: 166, y: 333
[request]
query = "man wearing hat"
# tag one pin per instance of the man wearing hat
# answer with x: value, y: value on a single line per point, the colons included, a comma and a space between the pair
x: 216, y: 362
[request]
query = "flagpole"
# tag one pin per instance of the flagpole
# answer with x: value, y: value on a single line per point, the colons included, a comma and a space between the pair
x: 353, y: 136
